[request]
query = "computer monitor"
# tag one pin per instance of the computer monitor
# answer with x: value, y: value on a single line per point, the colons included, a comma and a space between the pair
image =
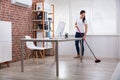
x: 60, y: 28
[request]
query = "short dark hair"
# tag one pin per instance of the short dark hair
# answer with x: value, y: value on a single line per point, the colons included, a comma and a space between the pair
x: 81, y: 12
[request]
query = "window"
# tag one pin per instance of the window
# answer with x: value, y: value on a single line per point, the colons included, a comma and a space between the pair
x: 101, y: 20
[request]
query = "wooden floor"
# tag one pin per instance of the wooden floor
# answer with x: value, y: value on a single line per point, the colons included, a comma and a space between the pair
x: 70, y: 69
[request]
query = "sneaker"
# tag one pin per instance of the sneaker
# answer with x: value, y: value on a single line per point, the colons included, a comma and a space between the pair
x: 77, y: 57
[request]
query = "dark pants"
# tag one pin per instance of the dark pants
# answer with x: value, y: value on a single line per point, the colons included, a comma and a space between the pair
x: 79, y: 35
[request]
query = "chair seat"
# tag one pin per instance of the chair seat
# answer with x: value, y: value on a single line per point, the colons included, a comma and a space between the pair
x: 48, y: 47
x: 33, y: 47
x: 37, y: 48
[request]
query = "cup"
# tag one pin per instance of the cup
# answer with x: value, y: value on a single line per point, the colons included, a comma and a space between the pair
x: 66, y: 35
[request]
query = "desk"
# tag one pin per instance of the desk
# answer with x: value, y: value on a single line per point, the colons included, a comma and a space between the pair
x: 55, y: 40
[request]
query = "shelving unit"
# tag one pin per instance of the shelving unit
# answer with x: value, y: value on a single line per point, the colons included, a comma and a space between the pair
x: 43, y: 21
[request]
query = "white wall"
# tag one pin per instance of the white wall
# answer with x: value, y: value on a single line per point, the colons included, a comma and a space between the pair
x: 75, y: 8
x: 119, y: 48
x: 101, y: 15
x: 104, y: 17
x: 118, y: 16
x: 103, y: 46
x: 102, y: 20
x: 61, y: 12
x: 118, y: 21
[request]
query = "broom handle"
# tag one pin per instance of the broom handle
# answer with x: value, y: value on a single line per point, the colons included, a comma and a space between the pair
x: 87, y: 44
x: 90, y: 49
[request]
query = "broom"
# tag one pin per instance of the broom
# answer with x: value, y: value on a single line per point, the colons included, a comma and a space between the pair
x: 96, y: 59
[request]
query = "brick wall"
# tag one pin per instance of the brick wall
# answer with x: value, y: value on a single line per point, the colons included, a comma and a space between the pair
x: 21, y: 23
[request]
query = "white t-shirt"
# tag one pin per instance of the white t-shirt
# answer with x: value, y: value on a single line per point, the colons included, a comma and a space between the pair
x: 81, y: 25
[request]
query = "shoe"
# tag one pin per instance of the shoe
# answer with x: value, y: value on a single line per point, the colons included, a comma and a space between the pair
x: 77, y: 57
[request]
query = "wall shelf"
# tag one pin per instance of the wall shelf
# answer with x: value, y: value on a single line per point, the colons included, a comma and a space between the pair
x: 38, y: 11
x: 41, y: 20
x: 38, y: 20
x: 40, y: 30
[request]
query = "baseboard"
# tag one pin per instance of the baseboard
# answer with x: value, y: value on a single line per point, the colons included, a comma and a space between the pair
x: 91, y: 57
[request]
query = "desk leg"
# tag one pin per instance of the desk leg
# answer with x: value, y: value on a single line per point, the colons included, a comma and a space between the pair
x: 81, y: 57
x: 57, y: 60
x: 55, y: 50
x: 22, y: 57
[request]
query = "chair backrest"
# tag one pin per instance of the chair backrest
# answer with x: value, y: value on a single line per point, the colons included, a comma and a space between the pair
x: 29, y: 44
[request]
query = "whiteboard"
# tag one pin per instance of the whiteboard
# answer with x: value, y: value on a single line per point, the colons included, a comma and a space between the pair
x: 5, y: 51
x: 5, y: 41
x: 5, y: 31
